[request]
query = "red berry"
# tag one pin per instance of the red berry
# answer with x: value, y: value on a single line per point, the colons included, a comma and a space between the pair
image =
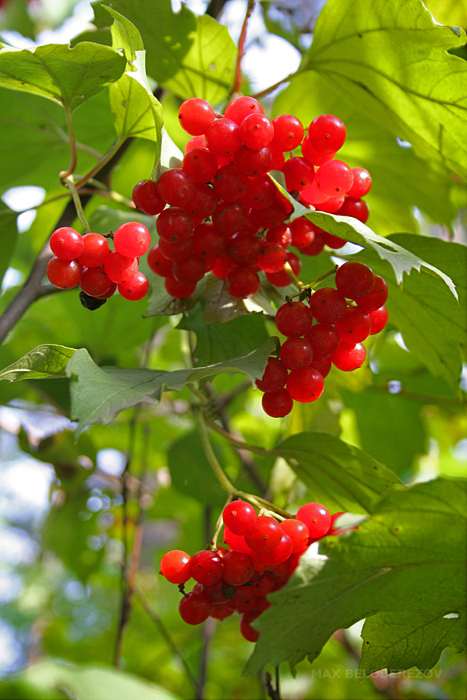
x: 132, y: 239
x: 334, y: 178
x: 206, y: 567
x: 239, y: 517
x: 247, y: 631
x: 176, y: 187
x: 274, y: 377
x: 241, y: 107
x: 64, y: 274
x: 223, y: 137
x: 327, y: 133
x: 316, y: 517
x: 288, y: 132
x: 296, y: 353
x: 280, y: 553
x: 361, y: 183
x: 238, y: 568
x: 349, y: 357
x: 66, y: 243
x: 243, y: 282
x: 293, y: 319
x: 147, y: 198
x: 134, y: 288
x: 378, y: 319
x: 305, y: 384
x: 195, y: 115
x: 298, y: 533
x: 354, y: 327
x: 354, y: 279
x: 328, y: 305
x: 265, y: 536
x: 158, y: 263
x: 119, y: 267
x: 177, y: 289
x: 175, y: 566
x: 94, y: 282
x: 324, y: 340
x: 194, y: 608
x: 256, y: 131
x: 201, y: 164
x: 376, y: 297
x: 277, y: 404
x: 95, y: 250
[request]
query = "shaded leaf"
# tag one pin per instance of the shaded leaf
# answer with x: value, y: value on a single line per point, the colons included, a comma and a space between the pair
x: 191, y: 473
x: 69, y: 76
x: 218, y: 341
x: 40, y: 363
x: 91, y: 681
x: 98, y: 395
x: 431, y: 321
x: 125, y: 35
x: 8, y: 236
x: 395, y: 563
x: 338, y: 475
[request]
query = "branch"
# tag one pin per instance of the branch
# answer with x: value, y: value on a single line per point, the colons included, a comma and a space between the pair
x: 237, y: 83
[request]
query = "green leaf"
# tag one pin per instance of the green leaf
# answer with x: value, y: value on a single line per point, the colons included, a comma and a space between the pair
x: 219, y: 341
x: 424, y: 304
x: 91, y: 681
x: 382, y: 415
x: 338, y: 475
x: 392, y: 60
x: 400, y: 178
x: 8, y: 236
x: 400, y: 641
x: 69, y: 76
x: 395, y: 563
x: 193, y: 56
x: 125, y: 35
x: 451, y: 12
x: 98, y: 395
x: 42, y: 362
x: 191, y: 473
x: 135, y: 109
x: 401, y: 260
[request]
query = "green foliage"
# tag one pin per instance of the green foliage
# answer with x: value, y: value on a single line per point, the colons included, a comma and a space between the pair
x: 69, y: 76
x: 42, y: 362
x: 392, y: 60
x: 391, y: 565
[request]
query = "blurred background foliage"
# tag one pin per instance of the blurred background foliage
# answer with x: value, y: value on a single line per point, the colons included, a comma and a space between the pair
x: 62, y: 520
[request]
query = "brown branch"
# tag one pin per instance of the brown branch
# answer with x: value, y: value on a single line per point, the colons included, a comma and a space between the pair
x: 237, y: 83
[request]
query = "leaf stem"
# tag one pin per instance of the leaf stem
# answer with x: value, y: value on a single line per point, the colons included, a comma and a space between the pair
x: 68, y: 181
x: 64, y: 175
x: 102, y: 162
x: 271, y: 88
x: 210, y: 456
x: 293, y: 277
x: 309, y: 287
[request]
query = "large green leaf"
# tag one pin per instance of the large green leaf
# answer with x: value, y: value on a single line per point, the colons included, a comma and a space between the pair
x: 69, y: 76
x: 193, y: 56
x: 60, y: 679
x: 401, y: 180
x: 393, y: 61
x: 432, y: 323
x: 98, y: 395
x: 338, y: 475
x: 42, y: 362
x: 396, y: 563
x: 452, y: 12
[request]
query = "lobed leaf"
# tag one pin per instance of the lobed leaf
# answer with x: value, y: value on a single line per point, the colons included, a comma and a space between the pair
x: 42, y: 362
x: 396, y: 563
x: 393, y: 61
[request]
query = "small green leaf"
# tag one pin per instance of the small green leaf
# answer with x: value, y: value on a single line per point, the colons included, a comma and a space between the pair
x: 41, y: 363
x: 135, y: 109
x: 396, y: 563
x: 98, y: 395
x: 393, y: 61
x: 69, y: 76
x: 218, y: 341
x: 338, y: 475
x: 125, y: 35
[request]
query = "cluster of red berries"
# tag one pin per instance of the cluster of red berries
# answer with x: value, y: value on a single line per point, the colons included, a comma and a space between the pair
x: 225, y: 214
x: 262, y: 554
x: 87, y: 261
x: 311, y: 349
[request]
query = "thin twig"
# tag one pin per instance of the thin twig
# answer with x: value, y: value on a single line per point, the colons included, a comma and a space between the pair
x: 72, y: 141
x: 157, y: 620
x: 237, y: 82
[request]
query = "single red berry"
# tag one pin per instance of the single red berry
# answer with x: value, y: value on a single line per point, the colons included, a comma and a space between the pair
x: 334, y: 178
x: 327, y: 133
x: 132, y: 239
x: 378, y: 319
x: 206, y: 567
x: 174, y: 225
x: 175, y: 566
x: 201, y: 164
x: 299, y: 174
x: 238, y: 568
x: 280, y: 553
x: 272, y: 257
x: 194, y: 608
x: 324, y: 340
x: 243, y: 282
x: 223, y: 137
x: 277, y: 404
x: 357, y: 208
x: 361, y: 183
x: 256, y: 131
x: 376, y: 297
x: 354, y: 279
x: 354, y: 327
x: 288, y: 132
x: 66, y: 243
x: 135, y: 287
x: 274, y: 377
x: 316, y: 517
x: 296, y: 353
x: 64, y: 274
x: 293, y: 319
x: 236, y: 542
x: 265, y: 536
x: 119, y: 267
x: 328, y: 305
x: 177, y: 289
x: 195, y: 115
x: 305, y: 384
x: 241, y: 107
x: 176, y: 187
x: 147, y: 198
x: 349, y: 357
x: 158, y: 263
x: 95, y: 250
x: 298, y: 533
x: 240, y: 517
x: 94, y: 282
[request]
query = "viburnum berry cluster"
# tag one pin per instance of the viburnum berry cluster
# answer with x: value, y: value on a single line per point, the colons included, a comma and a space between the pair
x: 221, y: 212
x: 329, y: 331
x: 89, y: 262
x: 262, y: 552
